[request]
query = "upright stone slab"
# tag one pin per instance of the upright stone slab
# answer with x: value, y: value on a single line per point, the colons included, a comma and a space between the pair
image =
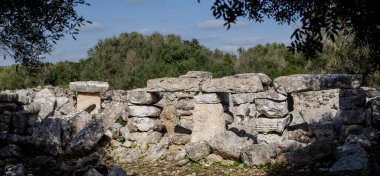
x: 240, y: 83
x: 208, y: 121
x: 89, y: 93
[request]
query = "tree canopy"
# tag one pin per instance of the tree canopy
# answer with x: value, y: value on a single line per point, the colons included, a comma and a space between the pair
x: 319, y: 19
x: 28, y: 29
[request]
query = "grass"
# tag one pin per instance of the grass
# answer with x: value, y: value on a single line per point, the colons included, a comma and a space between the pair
x: 121, y: 121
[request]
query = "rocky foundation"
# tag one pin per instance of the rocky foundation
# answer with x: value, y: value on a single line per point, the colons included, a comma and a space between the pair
x: 296, y: 119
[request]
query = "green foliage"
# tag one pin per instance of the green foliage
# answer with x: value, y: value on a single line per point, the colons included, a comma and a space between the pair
x: 121, y: 121
x: 263, y: 166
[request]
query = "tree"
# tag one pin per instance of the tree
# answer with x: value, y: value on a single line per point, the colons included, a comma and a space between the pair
x: 318, y: 18
x: 28, y: 29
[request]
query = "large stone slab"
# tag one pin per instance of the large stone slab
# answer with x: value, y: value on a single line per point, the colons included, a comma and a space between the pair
x: 272, y: 108
x: 240, y: 83
x: 305, y: 82
x: 228, y: 145
x: 86, y: 99
x: 208, y: 98
x: 257, y: 154
x: 174, y: 85
x: 144, y: 111
x: 144, y: 124
x: 266, y: 125
x: 45, y: 100
x: 141, y: 97
x: 89, y: 86
x: 208, y: 121
x: 197, y: 74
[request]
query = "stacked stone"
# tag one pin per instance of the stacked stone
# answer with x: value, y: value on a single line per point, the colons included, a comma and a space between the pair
x: 144, y: 125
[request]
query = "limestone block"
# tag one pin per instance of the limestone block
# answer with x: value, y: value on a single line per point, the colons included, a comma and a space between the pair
x: 5, y: 117
x: 186, y: 122
x: 208, y: 98
x: 257, y: 154
x: 144, y: 111
x: 352, y: 98
x: 151, y: 137
x: 8, y: 98
x: 185, y: 104
x: 208, y: 121
x: 228, y: 145
x: 46, y: 101
x: 89, y: 86
x: 265, y: 125
x: 306, y: 82
x: 272, y: 108
x: 240, y: 83
x: 86, y: 99
x: 174, y: 85
x: 181, y: 112
x: 271, y: 95
x: 242, y: 98
x: 180, y: 138
x: 198, y: 150
x: 197, y: 74
x: 144, y: 124
x: 8, y: 107
x: 141, y: 97
x: 351, y: 157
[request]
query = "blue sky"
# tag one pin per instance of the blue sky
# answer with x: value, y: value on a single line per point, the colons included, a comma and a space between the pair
x: 186, y: 18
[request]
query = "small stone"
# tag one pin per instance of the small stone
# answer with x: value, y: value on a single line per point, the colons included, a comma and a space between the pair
x: 144, y: 111
x: 141, y: 97
x: 198, y: 150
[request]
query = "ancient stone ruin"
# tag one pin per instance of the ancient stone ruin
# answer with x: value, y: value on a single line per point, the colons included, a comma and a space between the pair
x: 296, y: 119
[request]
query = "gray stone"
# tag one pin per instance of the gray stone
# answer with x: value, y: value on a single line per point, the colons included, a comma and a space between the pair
x: 10, y: 150
x: 46, y: 100
x: 8, y: 97
x: 14, y: 170
x: 353, y: 116
x: 19, y: 122
x: 156, y: 152
x: 92, y: 172
x: 116, y: 171
x: 180, y: 138
x: 306, y: 82
x: 174, y: 85
x: 362, y: 140
x: 141, y: 97
x: 89, y: 86
x: 8, y: 107
x: 198, y: 150
x: 302, y: 156
x: 89, y: 136
x: 180, y: 155
x: 5, y: 117
x: 79, y: 122
x: 184, y: 95
x: 61, y: 101
x: 352, y: 98
x: 265, y: 125
x: 151, y: 137
x: 208, y: 121
x: 144, y: 111
x: 351, y: 157
x: 186, y: 122
x: 67, y: 108
x: 185, y: 104
x: 144, y: 124
x: 208, y: 98
x: 242, y: 98
x: 197, y: 74
x: 212, y: 158
x: 130, y: 155
x: 256, y: 154
x: 240, y: 83
x: 250, y: 97
x: 228, y: 145
x: 168, y: 117
x: 181, y: 112
x: 271, y: 108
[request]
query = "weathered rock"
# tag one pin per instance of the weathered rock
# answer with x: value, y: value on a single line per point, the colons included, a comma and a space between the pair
x: 168, y: 117
x: 144, y: 124
x: 351, y: 129
x: 350, y: 157
x: 61, y: 101
x: 5, y: 117
x: 141, y: 97
x: 10, y: 150
x: 89, y: 86
x: 228, y: 145
x: 181, y: 112
x: 144, y: 111
x: 151, y: 137
x: 180, y: 138
x: 352, y: 98
x: 19, y: 121
x: 46, y: 100
x: 185, y: 122
x: 212, y: 158
x: 184, y: 95
x: 8, y: 97
x: 79, y: 122
x: 208, y: 121
x: 128, y: 155
x: 15, y: 170
x: 362, y: 140
x: 116, y: 171
x: 8, y: 107
x: 198, y: 150
x: 67, y: 108
x: 266, y: 125
x: 310, y: 153
x: 208, y: 98
x: 92, y: 172
x: 243, y: 98
x: 185, y: 104
x: 240, y: 83
x: 180, y: 155
x: 197, y: 74
x: 353, y: 116
x: 271, y: 108
x: 306, y: 82
x: 86, y: 139
x: 156, y: 152
x: 174, y: 85
x: 256, y: 154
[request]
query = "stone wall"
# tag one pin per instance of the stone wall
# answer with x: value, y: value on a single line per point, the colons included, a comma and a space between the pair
x: 297, y: 119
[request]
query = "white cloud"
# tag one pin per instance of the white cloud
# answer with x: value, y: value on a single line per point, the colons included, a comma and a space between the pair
x: 219, y: 24
x: 95, y: 26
